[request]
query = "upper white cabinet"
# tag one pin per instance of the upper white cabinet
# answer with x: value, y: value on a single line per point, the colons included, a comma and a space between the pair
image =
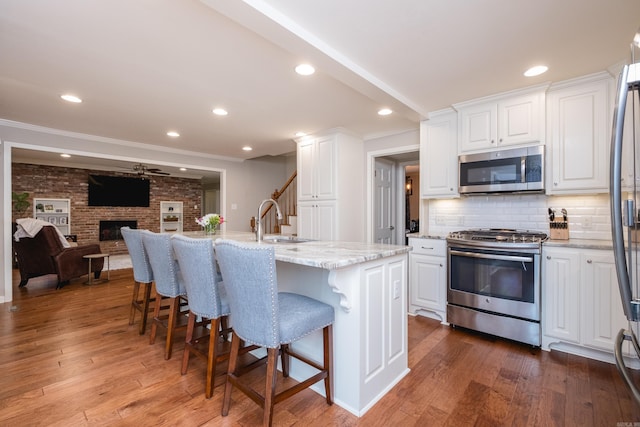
x: 439, y: 155
x: 330, y: 187
x: 316, y: 168
x: 578, y: 118
x: 516, y: 118
x: 55, y: 211
x: 171, y: 217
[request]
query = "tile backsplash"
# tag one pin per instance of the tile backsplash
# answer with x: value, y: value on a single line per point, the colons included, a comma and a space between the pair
x: 588, y: 216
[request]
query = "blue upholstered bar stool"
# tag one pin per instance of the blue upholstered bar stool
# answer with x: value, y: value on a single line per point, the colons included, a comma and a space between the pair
x: 169, y: 287
x: 265, y: 317
x: 207, y: 299
x: 142, y: 275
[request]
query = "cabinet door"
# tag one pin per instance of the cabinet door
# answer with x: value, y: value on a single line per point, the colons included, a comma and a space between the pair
x: 325, y: 166
x: 478, y: 127
x: 561, y: 294
x: 306, y: 217
x: 602, y: 314
x: 306, y: 170
x: 519, y: 120
x: 427, y: 276
x: 578, y: 129
x: 326, y: 227
x: 439, y: 157
x: 317, y: 220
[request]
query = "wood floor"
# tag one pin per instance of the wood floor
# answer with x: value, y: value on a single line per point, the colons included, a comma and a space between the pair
x: 69, y: 358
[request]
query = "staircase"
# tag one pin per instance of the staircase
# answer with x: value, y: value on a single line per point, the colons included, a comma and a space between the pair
x: 288, y: 202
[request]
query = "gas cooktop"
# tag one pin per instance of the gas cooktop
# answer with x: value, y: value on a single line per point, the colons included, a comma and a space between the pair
x: 505, y: 235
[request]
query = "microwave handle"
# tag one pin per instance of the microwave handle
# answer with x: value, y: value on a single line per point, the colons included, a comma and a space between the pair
x: 523, y: 169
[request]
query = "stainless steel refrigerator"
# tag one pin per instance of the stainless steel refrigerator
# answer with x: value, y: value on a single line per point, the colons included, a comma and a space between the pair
x: 625, y: 213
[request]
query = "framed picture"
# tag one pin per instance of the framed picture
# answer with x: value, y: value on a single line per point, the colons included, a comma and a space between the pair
x: 62, y: 220
x: 52, y: 220
x: 48, y: 208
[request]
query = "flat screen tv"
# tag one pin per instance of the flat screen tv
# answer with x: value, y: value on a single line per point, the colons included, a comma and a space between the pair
x: 118, y: 191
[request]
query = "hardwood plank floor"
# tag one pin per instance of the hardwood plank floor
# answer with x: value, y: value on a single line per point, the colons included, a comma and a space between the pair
x: 68, y: 357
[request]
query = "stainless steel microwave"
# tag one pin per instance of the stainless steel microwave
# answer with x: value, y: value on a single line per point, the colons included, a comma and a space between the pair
x: 514, y: 170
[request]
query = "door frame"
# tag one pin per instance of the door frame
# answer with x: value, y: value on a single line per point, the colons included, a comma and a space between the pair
x: 6, y: 146
x: 398, y: 200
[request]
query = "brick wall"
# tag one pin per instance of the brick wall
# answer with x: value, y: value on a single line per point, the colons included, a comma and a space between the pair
x: 69, y: 183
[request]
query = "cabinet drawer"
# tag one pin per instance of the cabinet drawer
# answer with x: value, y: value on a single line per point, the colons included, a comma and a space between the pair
x: 435, y: 247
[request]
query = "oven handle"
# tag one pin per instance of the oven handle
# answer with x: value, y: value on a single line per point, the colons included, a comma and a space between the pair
x: 492, y: 256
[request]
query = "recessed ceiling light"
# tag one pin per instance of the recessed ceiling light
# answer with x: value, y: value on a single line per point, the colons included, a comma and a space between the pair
x: 299, y: 134
x: 71, y: 98
x: 173, y: 134
x: 183, y: 169
x: 536, y: 71
x: 385, y: 112
x: 305, y: 69
x: 220, y: 112
x: 247, y: 148
x: 66, y: 156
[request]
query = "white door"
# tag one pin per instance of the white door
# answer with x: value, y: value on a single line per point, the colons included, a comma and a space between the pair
x: 383, y: 196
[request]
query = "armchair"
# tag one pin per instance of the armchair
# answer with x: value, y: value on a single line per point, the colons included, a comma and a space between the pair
x: 45, y: 254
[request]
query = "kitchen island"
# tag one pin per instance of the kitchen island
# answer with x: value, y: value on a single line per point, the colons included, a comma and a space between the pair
x: 367, y: 286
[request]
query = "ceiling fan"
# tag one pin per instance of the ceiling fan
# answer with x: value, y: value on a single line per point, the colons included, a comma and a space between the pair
x: 142, y: 170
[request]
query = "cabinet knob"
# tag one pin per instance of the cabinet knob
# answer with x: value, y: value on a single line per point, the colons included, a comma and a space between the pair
x: 500, y: 139
x: 589, y: 261
x: 555, y: 183
x: 548, y: 257
x: 493, y: 141
x: 441, y: 265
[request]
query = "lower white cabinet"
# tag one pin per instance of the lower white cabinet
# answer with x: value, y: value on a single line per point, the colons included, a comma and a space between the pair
x: 317, y: 220
x: 581, y: 302
x: 428, y: 278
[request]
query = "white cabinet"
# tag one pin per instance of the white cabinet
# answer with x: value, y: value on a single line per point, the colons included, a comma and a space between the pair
x: 511, y: 119
x: 439, y: 155
x: 578, y: 117
x: 331, y: 187
x: 316, y: 168
x: 602, y: 313
x: 561, y: 294
x: 428, y: 277
x: 581, y: 303
x: 317, y: 219
x: 55, y: 211
x: 171, y: 217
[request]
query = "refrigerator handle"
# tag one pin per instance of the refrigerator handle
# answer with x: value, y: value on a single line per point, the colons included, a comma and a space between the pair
x: 615, y: 186
x: 622, y: 336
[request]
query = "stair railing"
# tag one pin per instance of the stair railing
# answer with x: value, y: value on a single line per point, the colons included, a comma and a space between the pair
x: 287, y: 200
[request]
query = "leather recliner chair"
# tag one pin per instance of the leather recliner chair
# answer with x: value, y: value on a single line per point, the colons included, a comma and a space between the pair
x: 44, y: 254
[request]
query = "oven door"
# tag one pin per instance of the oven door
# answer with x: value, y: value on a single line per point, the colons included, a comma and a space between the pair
x: 500, y: 282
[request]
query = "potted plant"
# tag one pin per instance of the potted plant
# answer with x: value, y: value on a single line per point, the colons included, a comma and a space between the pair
x: 20, y: 202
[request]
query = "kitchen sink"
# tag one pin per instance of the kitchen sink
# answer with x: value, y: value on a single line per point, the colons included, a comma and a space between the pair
x: 285, y: 239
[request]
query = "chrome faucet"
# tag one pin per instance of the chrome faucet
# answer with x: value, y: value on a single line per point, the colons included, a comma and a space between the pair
x: 259, y: 232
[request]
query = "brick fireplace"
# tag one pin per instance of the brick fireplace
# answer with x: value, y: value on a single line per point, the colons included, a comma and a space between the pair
x: 110, y: 230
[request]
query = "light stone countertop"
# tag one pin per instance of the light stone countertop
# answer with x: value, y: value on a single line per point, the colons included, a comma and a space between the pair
x: 580, y: 244
x: 329, y: 255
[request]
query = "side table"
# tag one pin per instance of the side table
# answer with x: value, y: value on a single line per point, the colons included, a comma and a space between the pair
x: 90, y: 257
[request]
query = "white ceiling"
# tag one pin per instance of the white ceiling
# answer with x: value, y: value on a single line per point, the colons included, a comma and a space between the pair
x: 144, y: 67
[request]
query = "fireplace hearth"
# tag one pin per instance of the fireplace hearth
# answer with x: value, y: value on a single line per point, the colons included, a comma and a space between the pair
x: 110, y: 230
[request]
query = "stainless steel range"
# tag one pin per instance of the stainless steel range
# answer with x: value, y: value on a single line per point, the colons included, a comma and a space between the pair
x: 494, y: 282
